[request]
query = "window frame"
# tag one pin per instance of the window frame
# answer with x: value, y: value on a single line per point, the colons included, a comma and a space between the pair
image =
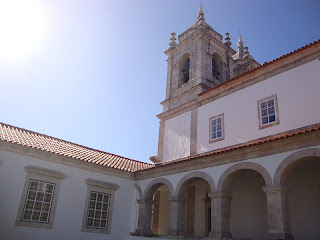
x: 101, y: 187
x: 41, y: 175
x: 270, y: 124
x: 222, y: 128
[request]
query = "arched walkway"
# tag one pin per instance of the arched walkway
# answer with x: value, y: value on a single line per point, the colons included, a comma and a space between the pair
x: 154, y: 184
x: 154, y: 208
x: 288, y: 164
x: 300, y: 172
x: 226, y: 178
x: 195, y: 214
x: 193, y: 176
x: 248, y: 203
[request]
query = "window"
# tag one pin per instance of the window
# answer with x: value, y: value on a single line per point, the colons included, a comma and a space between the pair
x: 268, y: 112
x: 216, y: 128
x: 98, y: 206
x: 38, y: 202
x: 39, y: 197
x: 97, y: 215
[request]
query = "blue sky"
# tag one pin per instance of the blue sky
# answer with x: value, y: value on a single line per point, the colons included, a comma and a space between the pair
x: 100, y: 73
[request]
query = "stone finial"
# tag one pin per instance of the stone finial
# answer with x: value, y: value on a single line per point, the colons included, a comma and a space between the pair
x: 200, y: 16
x: 240, y: 43
x: 227, y: 38
x: 173, y: 40
x: 240, y: 47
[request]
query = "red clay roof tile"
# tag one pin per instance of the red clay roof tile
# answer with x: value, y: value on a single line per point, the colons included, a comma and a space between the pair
x: 43, y: 142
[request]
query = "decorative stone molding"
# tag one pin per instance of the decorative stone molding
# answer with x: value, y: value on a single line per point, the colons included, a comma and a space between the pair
x: 44, y: 172
x: 226, y: 178
x: 286, y: 167
x: 193, y: 132
x: 154, y: 184
x: 101, y: 184
x: 187, y: 179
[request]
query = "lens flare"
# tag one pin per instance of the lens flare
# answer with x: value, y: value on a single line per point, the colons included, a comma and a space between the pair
x: 22, y: 28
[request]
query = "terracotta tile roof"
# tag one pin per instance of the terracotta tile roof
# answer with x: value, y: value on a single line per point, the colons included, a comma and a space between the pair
x: 247, y: 144
x: 43, y: 142
x: 262, y: 66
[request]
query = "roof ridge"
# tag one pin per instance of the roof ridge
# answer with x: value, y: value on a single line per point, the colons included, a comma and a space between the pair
x: 69, y: 142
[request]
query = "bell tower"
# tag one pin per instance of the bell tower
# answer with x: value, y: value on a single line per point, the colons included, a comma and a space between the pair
x: 199, y: 61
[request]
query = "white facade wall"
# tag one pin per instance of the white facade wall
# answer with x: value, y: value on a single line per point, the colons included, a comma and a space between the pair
x: 70, y: 205
x: 298, y: 96
x: 177, y: 137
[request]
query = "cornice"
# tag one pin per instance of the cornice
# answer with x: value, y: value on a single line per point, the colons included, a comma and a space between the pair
x: 295, y: 142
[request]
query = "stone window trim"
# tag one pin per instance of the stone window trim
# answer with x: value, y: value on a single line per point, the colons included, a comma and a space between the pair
x: 222, y: 128
x: 43, y: 175
x: 274, y: 96
x: 94, y: 185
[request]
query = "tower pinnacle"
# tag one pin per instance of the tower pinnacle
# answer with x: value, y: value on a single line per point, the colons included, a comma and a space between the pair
x: 200, y: 16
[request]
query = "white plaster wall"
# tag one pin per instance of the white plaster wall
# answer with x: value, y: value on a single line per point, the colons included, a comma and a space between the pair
x: 70, y: 205
x: 298, y: 99
x: 177, y: 137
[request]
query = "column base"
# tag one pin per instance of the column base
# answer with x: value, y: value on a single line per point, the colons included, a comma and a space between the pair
x: 143, y: 233
x: 280, y: 236
x: 220, y: 234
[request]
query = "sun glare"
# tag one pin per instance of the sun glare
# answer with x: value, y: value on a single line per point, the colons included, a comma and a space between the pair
x: 22, y: 26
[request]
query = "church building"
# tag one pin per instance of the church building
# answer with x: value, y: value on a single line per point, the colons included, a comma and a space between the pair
x: 238, y: 157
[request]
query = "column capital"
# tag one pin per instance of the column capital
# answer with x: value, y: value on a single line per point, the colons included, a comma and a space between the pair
x: 145, y: 201
x: 277, y: 189
x: 178, y: 199
x: 219, y: 195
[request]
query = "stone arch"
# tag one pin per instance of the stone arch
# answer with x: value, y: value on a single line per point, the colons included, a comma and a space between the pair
x: 226, y: 177
x: 187, y: 180
x: 137, y: 186
x: 184, y: 70
x: 288, y: 164
x: 217, y: 66
x: 154, y: 184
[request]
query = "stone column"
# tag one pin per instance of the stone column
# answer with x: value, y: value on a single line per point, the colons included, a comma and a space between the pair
x: 177, y: 216
x: 278, y: 213
x: 220, y: 215
x: 144, y: 219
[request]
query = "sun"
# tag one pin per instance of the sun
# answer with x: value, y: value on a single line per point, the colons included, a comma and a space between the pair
x: 22, y: 28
